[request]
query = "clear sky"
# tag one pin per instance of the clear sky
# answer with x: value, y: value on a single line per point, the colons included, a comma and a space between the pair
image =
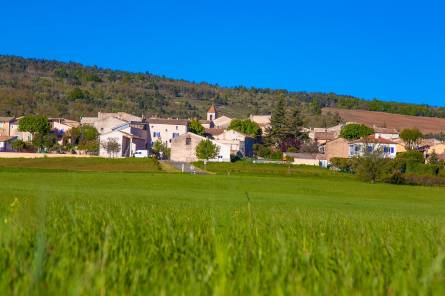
x: 393, y: 50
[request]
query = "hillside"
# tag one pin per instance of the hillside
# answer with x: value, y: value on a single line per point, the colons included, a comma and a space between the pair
x: 72, y: 90
x: 427, y: 125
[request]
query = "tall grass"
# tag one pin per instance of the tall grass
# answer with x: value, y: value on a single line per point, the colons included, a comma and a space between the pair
x: 100, y: 234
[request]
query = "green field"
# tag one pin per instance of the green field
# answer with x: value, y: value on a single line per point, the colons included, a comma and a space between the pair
x: 259, y: 229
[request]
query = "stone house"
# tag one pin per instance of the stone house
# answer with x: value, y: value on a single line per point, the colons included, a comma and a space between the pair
x: 130, y: 137
x: 183, y: 149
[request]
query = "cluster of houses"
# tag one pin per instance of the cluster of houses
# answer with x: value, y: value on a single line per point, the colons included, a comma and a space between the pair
x: 137, y: 134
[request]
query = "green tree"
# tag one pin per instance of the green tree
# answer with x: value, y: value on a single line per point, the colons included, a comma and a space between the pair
x: 245, y: 126
x: 111, y: 146
x: 44, y: 142
x: 355, y: 131
x: 206, y: 150
x: 35, y: 124
x: 196, y: 127
x: 411, y: 137
x: 433, y: 159
x: 18, y: 145
x: 369, y: 167
x: 160, y: 149
x: 76, y: 94
x: 276, y: 132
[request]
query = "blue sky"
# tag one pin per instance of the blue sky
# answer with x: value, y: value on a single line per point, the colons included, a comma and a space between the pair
x: 393, y: 50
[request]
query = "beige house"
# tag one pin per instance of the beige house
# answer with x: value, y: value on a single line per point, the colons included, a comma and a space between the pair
x: 222, y: 122
x: 438, y: 148
x: 122, y: 116
x: 314, y: 159
x: 5, y: 125
x: 165, y: 130
x: 262, y: 120
x: 347, y: 149
x: 183, y: 149
x: 14, y: 131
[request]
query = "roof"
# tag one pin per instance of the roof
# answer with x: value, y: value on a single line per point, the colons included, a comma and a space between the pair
x: 260, y: 119
x: 373, y: 139
x: 120, y: 115
x: 214, y: 131
x: 171, y: 121
x: 88, y: 120
x: 68, y: 122
x: 6, y: 138
x: 212, y: 109
x: 204, y: 121
x: 325, y: 136
x: 384, y: 130
x: 7, y: 119
x: 305, y: 155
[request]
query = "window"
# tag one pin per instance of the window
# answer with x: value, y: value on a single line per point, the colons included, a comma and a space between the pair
x: 370, y: 149
x: 386, y: 149
x: 188, y: 141
x: 175, y: 135
x: 392, y: 149
x: 156, y: 134
x: 176, y: 127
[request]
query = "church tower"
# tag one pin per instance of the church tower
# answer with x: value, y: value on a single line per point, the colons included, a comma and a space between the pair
x: 211, y: 113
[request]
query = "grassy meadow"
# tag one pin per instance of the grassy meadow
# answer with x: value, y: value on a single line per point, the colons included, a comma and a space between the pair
x: 258, y: 230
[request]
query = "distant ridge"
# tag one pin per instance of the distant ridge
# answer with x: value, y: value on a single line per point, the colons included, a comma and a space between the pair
x: 426, y: 125
x: 71, y: 90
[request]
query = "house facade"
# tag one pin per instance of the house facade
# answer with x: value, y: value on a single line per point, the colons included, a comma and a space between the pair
x: 130, y: 137
x: 262, y: 120
x: 386, y: 133
x: 14, y: 131
x: 183, y: 149
x: 5, y: 143
x: 5, y: 125
x: 239, y: 143
x: 346, y: 149
x: 165, y: 130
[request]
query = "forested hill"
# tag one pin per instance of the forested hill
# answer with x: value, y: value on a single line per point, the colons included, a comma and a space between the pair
x: 72, y: 90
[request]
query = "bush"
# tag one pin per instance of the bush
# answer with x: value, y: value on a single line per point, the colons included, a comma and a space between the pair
x: 344, y: 165
x: 266, y: 152
x: 412, y: 155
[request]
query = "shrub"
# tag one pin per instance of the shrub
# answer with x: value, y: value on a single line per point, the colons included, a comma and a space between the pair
x: 412, y: 155
x: 344, y: 165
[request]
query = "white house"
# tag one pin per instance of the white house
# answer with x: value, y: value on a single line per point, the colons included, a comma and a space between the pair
x: 183, y: 149
x: 130, y: 137
x: 165, y: 130
x: 372, y: 143
x: 106, y: 125
x: 238, y: 142
x: 386, y: 133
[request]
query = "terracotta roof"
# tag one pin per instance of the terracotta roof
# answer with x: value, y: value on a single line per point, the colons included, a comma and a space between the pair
x: 6, y: 138
x: 212, y: 109
x: 373, y: 139
x: 214, y: 131
x: 167, y: 121
x: 7, y: 119
x: 384, y: 130
x: 324, y: 136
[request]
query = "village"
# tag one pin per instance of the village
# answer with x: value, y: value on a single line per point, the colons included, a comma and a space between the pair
x: 121, y: 135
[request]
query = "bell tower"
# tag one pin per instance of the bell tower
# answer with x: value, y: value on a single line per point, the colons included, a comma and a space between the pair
x: 212, y: 114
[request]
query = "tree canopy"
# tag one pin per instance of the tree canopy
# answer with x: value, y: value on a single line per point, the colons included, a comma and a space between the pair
x: 355, y: 131
x: 245, y: 126
x: 35, y: 124
x: 196, y: 127
x: 206, y: 150
x: 411, y: 137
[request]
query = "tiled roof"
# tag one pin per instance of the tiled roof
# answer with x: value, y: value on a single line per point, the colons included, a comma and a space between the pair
x: 214, y: 131
x: 167, y: 121
x: 212, y: 109
x: 373, y: 139
x: 384, y: 130
x: 324, y: 135
x: 6, y: 119
x: 5, y: 138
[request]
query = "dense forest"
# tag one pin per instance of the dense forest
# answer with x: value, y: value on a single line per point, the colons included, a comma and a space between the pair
x: 71, y: 90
